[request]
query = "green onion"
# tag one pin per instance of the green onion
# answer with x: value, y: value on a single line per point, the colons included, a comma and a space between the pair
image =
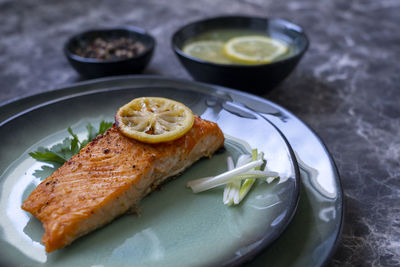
x: 247, y: 170
x: 231, y: 190
x: 223, y: 178
x: 248, y: 183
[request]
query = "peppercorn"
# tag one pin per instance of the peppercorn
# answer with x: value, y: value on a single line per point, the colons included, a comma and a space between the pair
x: 112, y: 49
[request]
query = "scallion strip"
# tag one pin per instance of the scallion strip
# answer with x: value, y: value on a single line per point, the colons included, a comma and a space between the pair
x: 223, y: 178
x: 228, y: 195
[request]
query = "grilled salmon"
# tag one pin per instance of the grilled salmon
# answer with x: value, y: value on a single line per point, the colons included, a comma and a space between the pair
x: 109, y: 177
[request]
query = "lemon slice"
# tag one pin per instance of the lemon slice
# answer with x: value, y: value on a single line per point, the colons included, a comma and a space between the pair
x: 254, y: 49
x: 154, y: 119
x: 207, y: 50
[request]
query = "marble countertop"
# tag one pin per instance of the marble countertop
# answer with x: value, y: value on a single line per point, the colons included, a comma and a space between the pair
x: 347, y: 86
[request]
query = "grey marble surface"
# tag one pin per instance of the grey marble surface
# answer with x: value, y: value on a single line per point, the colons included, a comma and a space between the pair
x: 347, y: 87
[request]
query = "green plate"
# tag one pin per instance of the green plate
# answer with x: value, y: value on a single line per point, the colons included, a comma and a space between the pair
x: 175, y: 227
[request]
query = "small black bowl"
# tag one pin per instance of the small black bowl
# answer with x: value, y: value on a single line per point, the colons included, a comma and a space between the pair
x: 94, y: 68
x: 251, y: 78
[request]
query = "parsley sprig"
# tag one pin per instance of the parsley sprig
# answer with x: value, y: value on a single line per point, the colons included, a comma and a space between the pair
x: 59, y: 153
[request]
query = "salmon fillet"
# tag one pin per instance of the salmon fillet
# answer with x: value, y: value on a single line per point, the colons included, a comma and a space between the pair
x: 109, y: 177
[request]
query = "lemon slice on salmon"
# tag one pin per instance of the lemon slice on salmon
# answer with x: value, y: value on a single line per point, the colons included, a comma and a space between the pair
x: 254, y: 49
x: 154, y: 119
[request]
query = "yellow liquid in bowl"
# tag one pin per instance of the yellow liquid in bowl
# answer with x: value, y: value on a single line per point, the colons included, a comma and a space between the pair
x: 212, y: 46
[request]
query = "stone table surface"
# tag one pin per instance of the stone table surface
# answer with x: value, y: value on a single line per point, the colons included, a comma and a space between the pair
x: 347, y: 87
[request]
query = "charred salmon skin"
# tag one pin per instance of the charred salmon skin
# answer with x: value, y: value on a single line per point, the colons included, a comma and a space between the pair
x: 109, y: 177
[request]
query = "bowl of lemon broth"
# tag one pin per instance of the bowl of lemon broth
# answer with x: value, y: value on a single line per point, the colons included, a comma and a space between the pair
x: 246, y: 53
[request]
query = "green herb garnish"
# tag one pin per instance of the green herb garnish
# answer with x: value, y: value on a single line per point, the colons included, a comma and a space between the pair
x: 59, y: 153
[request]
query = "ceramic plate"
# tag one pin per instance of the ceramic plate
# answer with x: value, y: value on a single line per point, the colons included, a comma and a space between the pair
x: 315, y: 230
x: 175, y: 226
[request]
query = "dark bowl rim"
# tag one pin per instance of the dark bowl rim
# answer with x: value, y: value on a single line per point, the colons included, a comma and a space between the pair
x: 133, y: 29
x: 299, y: 54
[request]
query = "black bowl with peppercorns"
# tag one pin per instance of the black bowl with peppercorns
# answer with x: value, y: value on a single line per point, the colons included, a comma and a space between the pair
x: 106, y: 52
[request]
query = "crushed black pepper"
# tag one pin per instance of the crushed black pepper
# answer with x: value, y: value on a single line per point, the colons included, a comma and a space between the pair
x: 117, y: 48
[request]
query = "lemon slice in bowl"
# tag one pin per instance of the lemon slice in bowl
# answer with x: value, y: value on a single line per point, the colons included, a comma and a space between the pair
x: 154, y: 119
x: 254, y: 49
x: 212, y: 51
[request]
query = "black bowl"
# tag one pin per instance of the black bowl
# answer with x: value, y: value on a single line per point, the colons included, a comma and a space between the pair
x: 93, y: 67
x: 251, y: 78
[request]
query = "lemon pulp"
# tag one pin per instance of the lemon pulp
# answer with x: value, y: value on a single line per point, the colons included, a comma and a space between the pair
x: 154, y: 119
